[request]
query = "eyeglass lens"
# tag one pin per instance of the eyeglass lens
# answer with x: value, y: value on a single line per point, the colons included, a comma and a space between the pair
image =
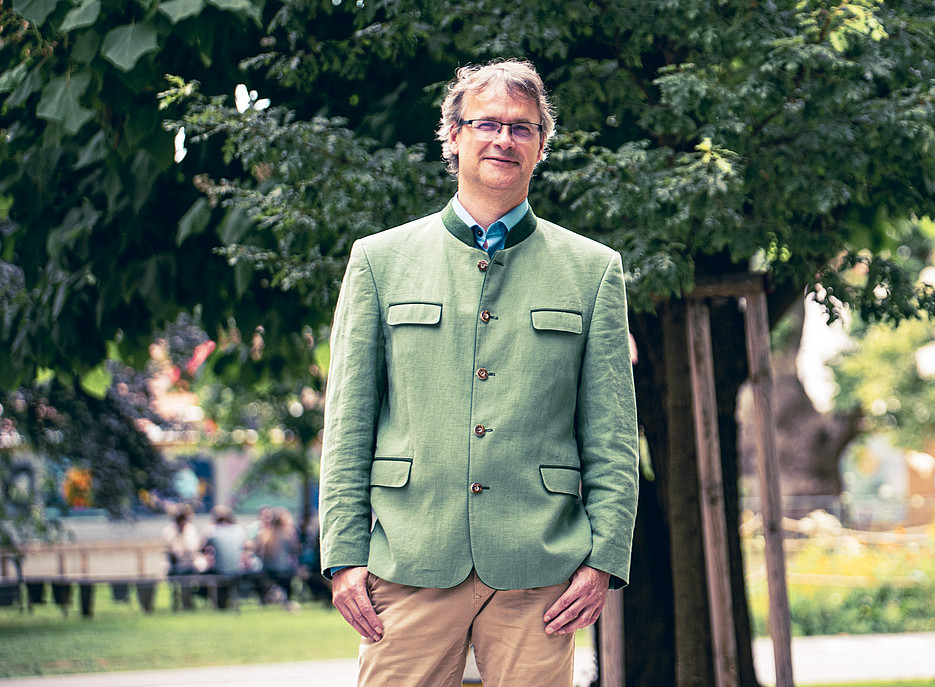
x: 489, y: 129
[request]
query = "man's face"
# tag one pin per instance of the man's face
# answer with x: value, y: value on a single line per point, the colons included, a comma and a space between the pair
x: 503, y: 165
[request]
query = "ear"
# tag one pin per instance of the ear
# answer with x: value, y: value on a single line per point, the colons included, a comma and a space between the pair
x: 453, y: 132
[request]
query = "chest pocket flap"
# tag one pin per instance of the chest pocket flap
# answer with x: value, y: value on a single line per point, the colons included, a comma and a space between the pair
x: 414, y: 313
x: 557, y: 321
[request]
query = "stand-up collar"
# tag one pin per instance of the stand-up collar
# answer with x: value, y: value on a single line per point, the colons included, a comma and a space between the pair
x: 461, y: 231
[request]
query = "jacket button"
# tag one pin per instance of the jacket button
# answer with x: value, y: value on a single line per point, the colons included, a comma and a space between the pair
x: 480, y: 430
x: 483, y: 265
x: 476, y: 488
x: 482, y: 374
x: 485, y: 316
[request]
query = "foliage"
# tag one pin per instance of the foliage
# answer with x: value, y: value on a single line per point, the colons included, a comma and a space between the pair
x: 314, y: 188
x: 884, y: 376
x: 696, y: 139
x: 86, y: 172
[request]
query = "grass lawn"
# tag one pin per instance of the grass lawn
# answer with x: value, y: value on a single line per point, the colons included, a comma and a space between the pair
x: 121, y: 636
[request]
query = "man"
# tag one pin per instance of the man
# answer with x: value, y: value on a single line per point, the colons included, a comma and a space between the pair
x: 478, y: 477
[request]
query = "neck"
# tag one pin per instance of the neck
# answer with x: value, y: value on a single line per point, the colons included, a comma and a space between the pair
x: 489, y: 209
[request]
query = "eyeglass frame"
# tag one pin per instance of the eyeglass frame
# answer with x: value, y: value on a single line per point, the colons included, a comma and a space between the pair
x: 510, y: 125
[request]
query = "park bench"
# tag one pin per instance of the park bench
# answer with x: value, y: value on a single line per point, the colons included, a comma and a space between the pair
x: 64, y: 567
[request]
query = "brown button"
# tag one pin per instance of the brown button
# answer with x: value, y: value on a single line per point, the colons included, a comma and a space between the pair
x: 483, y: 265
x: 482, y: 374
x: 480, y: 430
x: 477, y: 488
x: 485, y: 316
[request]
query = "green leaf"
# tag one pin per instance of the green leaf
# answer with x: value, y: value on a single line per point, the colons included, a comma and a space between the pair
x: 126, y: 44
x: 194, y: 221
x: 96, y: 382
x: 177, y: 10
x: 86, y: 47
x: 83, y: 15
x: 144, y: 171
x: 36, y: 11
x: 94, y: 151
x: 60, y: 102
x: 234, y: 226
x: 243, y: 273
x: 244, y: 7
x: 11, y: 79
x: 26, y: 88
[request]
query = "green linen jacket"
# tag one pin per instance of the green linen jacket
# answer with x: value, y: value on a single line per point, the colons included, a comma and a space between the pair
x: 480, y: 411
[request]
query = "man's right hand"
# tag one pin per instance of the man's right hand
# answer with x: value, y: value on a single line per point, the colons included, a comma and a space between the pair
x: 349, y: 595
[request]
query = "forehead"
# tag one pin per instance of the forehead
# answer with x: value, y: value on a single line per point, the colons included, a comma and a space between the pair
x: 497, y: 103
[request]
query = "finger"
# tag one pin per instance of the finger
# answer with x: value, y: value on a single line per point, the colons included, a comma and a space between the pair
x: 562, y: 603
x: 369, y: 618
x: 355, y: 613
x: 574, y: 619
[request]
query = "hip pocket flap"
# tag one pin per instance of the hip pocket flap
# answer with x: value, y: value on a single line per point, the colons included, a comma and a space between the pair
x: 557, y: 321
x: 414, y: 313
x: 561, y: 480
x: 390, y: 472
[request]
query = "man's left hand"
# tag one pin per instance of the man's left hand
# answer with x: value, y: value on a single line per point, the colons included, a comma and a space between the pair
x: 581, y: 604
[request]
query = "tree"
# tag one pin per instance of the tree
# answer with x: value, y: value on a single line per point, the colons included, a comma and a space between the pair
x: 700, y: 140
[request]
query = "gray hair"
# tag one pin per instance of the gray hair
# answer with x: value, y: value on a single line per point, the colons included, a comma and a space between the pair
x: 520, y: 80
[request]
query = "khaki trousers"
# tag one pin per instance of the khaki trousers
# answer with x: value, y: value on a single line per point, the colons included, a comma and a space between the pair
x: 427, y: 633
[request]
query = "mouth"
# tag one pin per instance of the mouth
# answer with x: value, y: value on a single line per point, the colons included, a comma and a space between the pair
x: 501, y: 160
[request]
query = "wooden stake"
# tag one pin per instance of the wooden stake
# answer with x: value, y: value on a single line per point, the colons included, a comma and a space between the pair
x: 610, y: 641
x: 757, y: 334
x: 708, y: 445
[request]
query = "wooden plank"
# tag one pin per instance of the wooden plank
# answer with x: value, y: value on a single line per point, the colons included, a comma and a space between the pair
x: 694, y: 657
x: 727, y: 285
x: 714, y: 520
x: 610, y: 641
x: 757, y: 335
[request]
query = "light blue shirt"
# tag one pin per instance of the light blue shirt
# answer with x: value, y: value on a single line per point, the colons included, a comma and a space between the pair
x: 507, y: 222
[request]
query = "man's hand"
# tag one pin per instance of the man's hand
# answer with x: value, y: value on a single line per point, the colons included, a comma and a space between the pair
x: 349, y: 595
x: 581, y: 604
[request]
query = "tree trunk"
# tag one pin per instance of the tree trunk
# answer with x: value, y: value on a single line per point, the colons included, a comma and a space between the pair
x: 664, y: 627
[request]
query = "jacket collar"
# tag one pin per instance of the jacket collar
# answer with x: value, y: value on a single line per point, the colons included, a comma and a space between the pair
x: 457, y: 228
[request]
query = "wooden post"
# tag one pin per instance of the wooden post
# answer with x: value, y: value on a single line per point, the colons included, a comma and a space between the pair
x: 610, y: 641
x: 707, y: 441
x: 757, y: 334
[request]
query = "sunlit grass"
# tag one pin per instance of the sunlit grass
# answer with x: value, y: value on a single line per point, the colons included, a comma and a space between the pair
x: 838, y: 584
x: 123, y: 637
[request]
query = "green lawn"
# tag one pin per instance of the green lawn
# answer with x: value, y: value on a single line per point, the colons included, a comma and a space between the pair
x: 123, y: 637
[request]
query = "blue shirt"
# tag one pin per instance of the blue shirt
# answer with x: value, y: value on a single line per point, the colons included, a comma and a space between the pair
x: 508, y: 221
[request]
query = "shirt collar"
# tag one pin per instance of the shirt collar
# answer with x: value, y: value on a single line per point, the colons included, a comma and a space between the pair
x: 509, y: 220
x: 461, y: 231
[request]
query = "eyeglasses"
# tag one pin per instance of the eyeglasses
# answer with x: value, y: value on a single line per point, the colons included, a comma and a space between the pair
x: 489, y: 129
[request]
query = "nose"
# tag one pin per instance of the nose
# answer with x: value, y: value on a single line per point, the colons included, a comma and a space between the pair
x: 504, y: 139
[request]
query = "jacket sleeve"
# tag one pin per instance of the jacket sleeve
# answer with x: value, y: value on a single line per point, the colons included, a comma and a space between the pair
x: 606, y: 429
x: 356, y: 387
